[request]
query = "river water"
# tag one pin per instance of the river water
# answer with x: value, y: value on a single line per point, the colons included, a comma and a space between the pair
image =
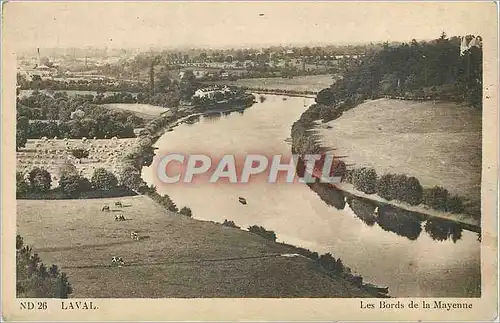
x: 413, y: 256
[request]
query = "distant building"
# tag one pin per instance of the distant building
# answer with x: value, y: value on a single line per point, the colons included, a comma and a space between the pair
x: 209, y: 92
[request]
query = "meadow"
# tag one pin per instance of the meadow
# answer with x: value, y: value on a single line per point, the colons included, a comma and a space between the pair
x: 145, y: 111
x: 176, y: 256
x: 437, y: 142
x: 299, y: 83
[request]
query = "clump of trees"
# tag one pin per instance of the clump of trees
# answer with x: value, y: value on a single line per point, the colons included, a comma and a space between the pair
x: 36, y: 280
x: 400, y: 187
x: 59, y: 115
x: 439, y: 198
x: 261, y: 231
x: 103, y: 179
x: 73, y: 184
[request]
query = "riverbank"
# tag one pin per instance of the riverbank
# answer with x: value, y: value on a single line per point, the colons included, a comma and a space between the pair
x: 467, y: 222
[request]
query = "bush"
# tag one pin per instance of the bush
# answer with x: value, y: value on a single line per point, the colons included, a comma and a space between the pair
x: 74, y: 184
x: 186, y: 211
x: 455, y: 204
x: 103, y: 180
x: 80, y: 153
x: 230, y: 224
x: 40, y: 180
x: 436, y: 197
x: 261, y: 231
x: 34, y: 279
x: 365, y: 180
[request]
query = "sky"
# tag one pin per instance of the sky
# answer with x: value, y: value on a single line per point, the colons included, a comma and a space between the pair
x: 235, y: 24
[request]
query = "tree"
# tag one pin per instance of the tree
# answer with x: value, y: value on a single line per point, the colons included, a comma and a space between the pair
x: 21, y: 139
x: 186, y: 211
x: 169, y: 204
x: 365, y: 180
x: 436, y: 197
x: 80, y: 153
x: 130, y: 177
x: 22, y: 128
x: 67, y: 168
x: 326, y: 97
x: 40, y: 180
x: 74, y: 184
x: 33, y: 279
x: 103, y: 180
x: 22, y: 187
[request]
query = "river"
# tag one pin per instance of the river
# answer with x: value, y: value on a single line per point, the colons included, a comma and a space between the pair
x: 414, y: 257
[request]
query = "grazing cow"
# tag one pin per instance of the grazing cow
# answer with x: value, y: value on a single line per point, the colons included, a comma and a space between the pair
x: 119, y: 217
x: 117, y: 260
x: 134, y: 235
x: 105, y: 208
x: 119, y: 204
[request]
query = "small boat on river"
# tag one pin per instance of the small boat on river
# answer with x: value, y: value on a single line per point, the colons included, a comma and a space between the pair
x: 242, y: 200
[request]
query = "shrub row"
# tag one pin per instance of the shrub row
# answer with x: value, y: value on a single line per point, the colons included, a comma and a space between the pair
x: 261, y: 231
x: 403, y: 188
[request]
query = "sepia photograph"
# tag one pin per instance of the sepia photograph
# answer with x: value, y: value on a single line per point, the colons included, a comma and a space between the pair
x: 332, y: 160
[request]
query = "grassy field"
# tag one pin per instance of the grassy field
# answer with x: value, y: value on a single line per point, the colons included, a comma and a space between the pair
x: 146, y: 111
x: 53, y: 153
x: 439, y: 143
x: 298, y: 83
x: 176, y: 256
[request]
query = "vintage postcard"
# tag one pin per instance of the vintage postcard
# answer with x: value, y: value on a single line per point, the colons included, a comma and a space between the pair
x: 249, y: 161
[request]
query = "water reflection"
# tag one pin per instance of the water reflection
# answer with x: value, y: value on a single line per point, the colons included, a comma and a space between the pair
x: 442, y: 230
x: 403, y: 223
x: 389, y: 218
x: 330, y: 195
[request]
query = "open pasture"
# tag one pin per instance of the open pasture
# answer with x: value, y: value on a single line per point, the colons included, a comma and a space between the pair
x: 175, y: 256
x: 299, y: 83
x: 145, y: 111
x: 437, y: 142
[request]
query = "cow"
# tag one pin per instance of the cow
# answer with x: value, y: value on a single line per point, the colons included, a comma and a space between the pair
x: 119, y: 204
x: 118, y: 261
x: 119, y: 217
x: 134, y: 235
x: 105, y: 208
